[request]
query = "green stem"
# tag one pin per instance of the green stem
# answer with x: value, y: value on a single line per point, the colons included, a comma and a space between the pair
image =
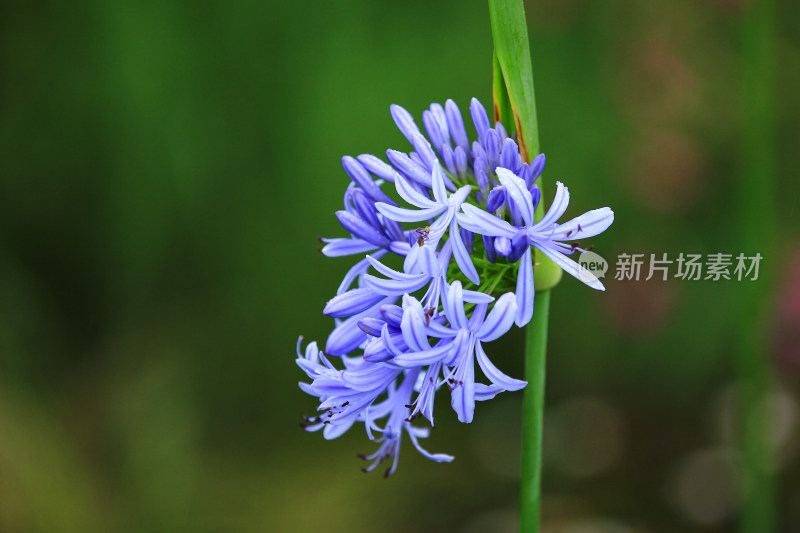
x: 533, y: 414
x: 756, y: 202
x: 513, y: 87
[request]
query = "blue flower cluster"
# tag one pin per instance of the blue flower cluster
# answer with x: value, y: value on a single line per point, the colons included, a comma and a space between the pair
x: 403, y: 334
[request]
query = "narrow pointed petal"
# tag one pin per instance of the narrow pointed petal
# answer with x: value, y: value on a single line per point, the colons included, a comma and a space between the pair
x: 558, y: 207
x: 407, y: 192
x: 413, y: 324
x: 455, y: 312
x: 488, y: 246
x: 500, y: 319
x: 425, y: 357
x: 518, y: 192
x: 569, y: 266
x: 347, y: 336
x: 378, y: 167
x: 395, y: 287
x: 509, y: 155
x: 424, y: 151
x: 371, y: 326
x: 492, y: 146
x: 437, y: 180
x: 438, y: 457
x: 587, y: 225
x: 456, y: 125
x: 344, y: 246
x: 432, y: 129
x: 497, y: 197
x: 333, y: 431
x: 392, y: 314
x: 358, y: 227
x: 400, y: 214
x: 463, y: 396
x: 393, y: 229
x: 408, y: 167
x: 463, y: 259
x: 351, y: 302
x: 361, y: 177
x: 365, y: 208
x: 494, y: 374
x: 483, y: 223
x: 405, y: 122
x: 476, y: 297
x: 537, y: 167
x: 461, y: 160
x: 435, y: 329
x: 486, y: 392
x: 525, y: 289
x: 480, y: 118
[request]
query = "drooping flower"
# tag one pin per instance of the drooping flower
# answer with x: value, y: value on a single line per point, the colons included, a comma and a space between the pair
x: 460, y: 345
x: 396, y: 406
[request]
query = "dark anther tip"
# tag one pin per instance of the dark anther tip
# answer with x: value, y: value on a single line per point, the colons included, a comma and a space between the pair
x: 361, y: 456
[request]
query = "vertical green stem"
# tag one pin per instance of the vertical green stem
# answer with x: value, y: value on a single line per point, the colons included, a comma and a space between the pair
x: 533, y: 414
x: 756, y: 203
x: 513, y: 87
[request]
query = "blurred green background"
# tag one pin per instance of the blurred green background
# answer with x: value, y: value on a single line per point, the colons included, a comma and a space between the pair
x: 165, y: 168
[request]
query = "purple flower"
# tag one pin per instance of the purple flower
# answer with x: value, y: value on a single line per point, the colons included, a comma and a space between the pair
x: 394, y: 359
x: 443, y: 206
x: 395, y: 406
x: 547, y: 235
x: 460, y: 344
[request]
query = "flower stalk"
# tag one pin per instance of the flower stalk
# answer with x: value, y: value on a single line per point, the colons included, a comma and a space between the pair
x: 513, y: 87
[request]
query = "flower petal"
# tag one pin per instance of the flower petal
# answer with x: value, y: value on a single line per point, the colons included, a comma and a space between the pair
x: 400, y: 214
x: 456, y: 125
x: 494, y: 374
x: 407, y: 192
x: 409, y: 168
x: 557, y: 208
x: 438, y: 457
x: 413, y: 324
x: 424, y: 357
x: 424, y: 151
x: 587, y: 225
x: 361, y: 177
x: 378, y: 167
x: 347, y: 336
x: 360, y: 228
x: 345, y: 246
x: 518, y: 192
x: 483, y: 223
x: 480, y: 118
x: 454, y: 311
x: 405, y: 122
x: 437, y: 180
x: 351, y: 302
x: 525, y: 289
x: 463, y: 396
x: 568, y: 265
x: 396, y: 287
x: 500, y: 319
x: 461, y: 255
